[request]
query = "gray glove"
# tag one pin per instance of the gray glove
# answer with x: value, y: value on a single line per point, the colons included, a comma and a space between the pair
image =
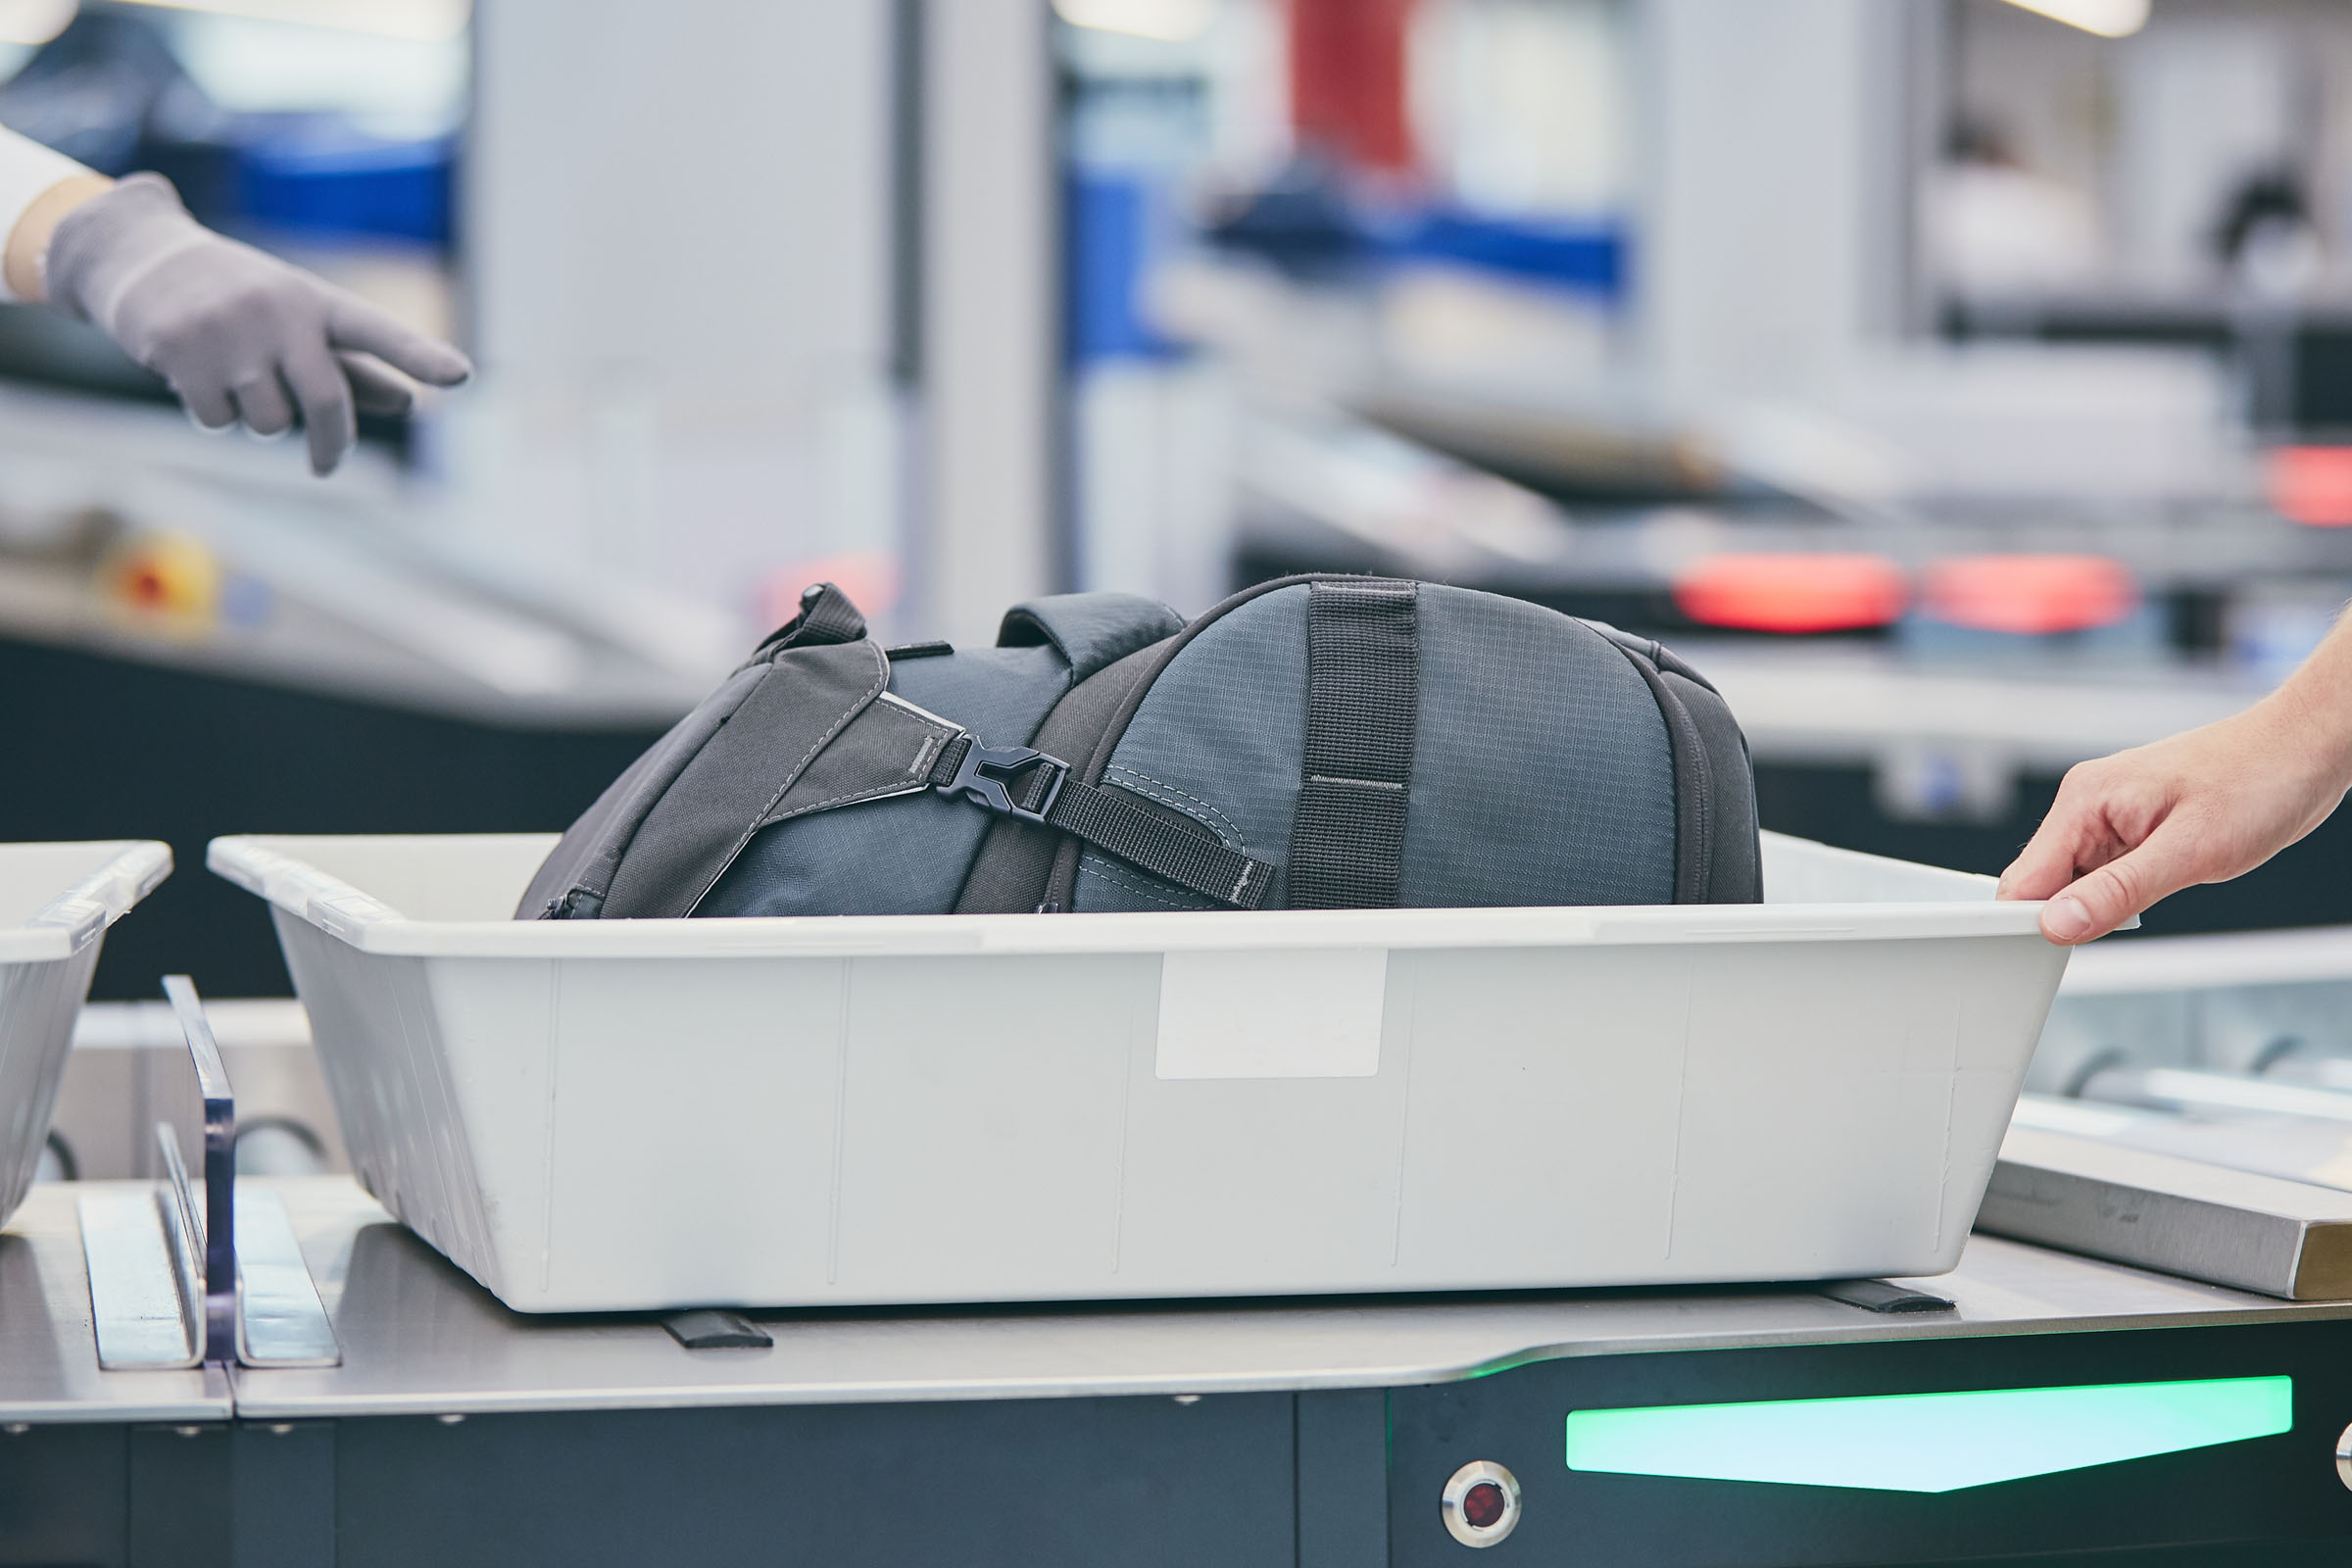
x: 239, y: 335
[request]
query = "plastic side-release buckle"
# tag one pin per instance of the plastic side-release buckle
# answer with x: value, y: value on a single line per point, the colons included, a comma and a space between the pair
x: 988, y: 776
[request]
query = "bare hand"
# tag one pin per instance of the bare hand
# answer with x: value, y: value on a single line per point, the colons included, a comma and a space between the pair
x: 2200, y: 807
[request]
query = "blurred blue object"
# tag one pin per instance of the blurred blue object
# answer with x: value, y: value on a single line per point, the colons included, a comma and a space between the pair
x: 1302, y: 220
x: 1306, y: 222
x: 2136, y: 640
x: 106, y: 91
x: 1582, y: 258
x: 338, y: 184
x: 1111, y: 230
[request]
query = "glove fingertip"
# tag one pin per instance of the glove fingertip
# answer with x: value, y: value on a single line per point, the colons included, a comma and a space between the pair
x: 455, y: 371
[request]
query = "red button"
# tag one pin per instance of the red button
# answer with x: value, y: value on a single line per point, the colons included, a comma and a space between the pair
x: 2313, y: 485
x: 1483, y: 1505
x: 1794, y: 594
x: 2031, y: 596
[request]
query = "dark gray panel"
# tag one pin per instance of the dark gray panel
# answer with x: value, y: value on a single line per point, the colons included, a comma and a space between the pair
x: 180, y: 1497
x: 285, y: 1495
x: 65, y: 1495
x: 1000, y: 693
x: 1343, y: 1479
x: 1218, y: 738
x: 910, y: 855
x: 1140, y: 1483
x: 1541, y: 769
x: 692, y: 834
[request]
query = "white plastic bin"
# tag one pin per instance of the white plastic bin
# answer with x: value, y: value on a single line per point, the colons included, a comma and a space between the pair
x: 55, y: 902
x: 603, y: 1115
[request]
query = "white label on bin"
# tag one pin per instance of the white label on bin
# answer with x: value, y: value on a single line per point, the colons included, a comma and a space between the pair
x: 1311, y: 1013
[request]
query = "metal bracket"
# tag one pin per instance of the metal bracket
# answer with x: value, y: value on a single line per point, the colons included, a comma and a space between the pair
x: 167, y: 1286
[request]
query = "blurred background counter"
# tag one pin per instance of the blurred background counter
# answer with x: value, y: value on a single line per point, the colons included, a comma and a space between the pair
x: 1965, y: 384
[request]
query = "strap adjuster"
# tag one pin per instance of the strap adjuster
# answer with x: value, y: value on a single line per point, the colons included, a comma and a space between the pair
x: 987, y: 776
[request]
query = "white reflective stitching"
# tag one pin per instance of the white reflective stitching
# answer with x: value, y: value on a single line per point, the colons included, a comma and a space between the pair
x: 865, y: 701
x: 1090, y: 866
x: 1239, y: 842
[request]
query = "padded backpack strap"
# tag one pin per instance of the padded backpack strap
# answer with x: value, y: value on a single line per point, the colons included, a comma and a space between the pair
x: 1091, y: 631
x: 1363, y: 704
x: 1014, y: 872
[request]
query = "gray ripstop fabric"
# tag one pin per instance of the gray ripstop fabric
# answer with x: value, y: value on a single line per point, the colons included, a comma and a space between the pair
x: 903, y: 856
x: 1545, y: 762
x: 1734, y: 871
x: 806, y: 698
x: 888, y: 749
x: 1219, y: 738
x: 1541, y: 769
x: 1543, y: 772
x: 574, y: 876
x: 1363, y: 694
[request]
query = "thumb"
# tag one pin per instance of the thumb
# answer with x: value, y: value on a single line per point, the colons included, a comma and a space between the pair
x: 2100, y: 901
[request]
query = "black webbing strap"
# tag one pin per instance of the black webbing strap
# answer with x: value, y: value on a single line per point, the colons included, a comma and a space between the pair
x: 1187, y: 857
x: 1363, y: 700
x: 1022, y: 783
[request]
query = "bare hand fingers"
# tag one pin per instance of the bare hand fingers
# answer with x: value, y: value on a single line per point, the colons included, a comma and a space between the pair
x: 355, y: 324
x: 326, y: 397
x: 2047, y: 863
x: 2106, y: 897
x: 2073, y: 837
x: 376, y: 388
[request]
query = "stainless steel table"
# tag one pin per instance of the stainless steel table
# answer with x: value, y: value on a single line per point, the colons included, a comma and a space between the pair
x: 48, y: 1353
x: 1316, y: 1433
x: 420, y: 1338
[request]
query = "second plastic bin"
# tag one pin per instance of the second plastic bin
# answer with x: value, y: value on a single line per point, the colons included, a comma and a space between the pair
x: 598, y: 1115
x: 55, y: 902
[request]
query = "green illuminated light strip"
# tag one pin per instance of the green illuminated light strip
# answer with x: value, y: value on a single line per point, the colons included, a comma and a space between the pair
x: 1929, y: 1441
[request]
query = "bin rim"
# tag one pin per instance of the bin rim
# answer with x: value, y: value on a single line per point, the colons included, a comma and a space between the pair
x: 262, y: 864
x: 81, y: 913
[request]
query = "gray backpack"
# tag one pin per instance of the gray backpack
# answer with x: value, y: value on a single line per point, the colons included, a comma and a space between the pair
x: 1314, y: 743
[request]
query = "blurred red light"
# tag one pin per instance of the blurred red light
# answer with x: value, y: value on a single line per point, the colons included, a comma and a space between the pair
x: 2029, y: 595
x: 2313, y: 485
x: 1794, y: 594
x: 1483, y: 1505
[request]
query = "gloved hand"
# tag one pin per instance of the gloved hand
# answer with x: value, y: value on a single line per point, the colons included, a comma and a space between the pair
x: 240, y: 336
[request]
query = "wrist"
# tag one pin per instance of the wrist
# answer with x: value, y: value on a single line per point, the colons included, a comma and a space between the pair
x: 24, y: 260
x: 102, y: 248
x: 2310, y: 731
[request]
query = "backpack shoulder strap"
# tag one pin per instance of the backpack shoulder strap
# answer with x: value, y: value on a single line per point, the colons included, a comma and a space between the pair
x: 1008, y: 875
x: 1091, y: 631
